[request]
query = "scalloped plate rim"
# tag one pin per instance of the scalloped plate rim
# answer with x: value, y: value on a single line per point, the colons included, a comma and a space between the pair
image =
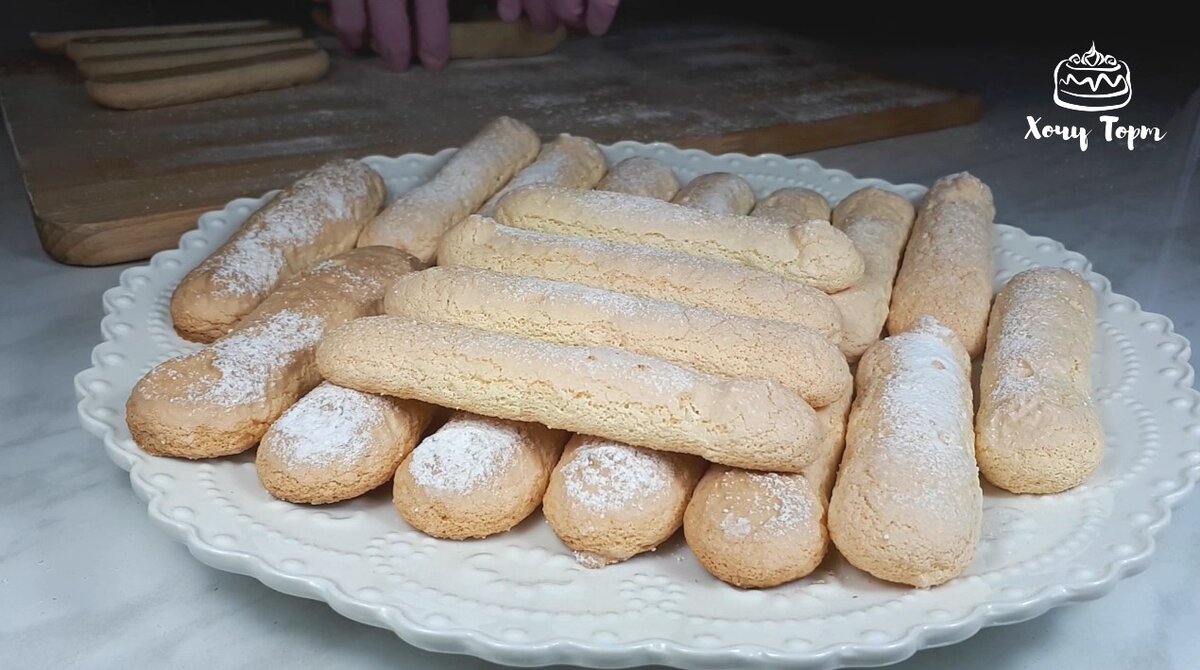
x: 658, y: 650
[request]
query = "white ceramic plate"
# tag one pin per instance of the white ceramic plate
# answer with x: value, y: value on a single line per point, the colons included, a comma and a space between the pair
x: 520, y: 598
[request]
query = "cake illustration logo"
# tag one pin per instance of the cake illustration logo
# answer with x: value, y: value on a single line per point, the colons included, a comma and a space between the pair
x: 1092, y: 82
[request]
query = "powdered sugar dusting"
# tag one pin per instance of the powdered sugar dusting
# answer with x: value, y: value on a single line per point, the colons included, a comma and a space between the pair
x: 638, y: 176
x: 466, y: 453
x: 925, y: 414
x: 503, y: 144
x: 329, y: 425
x: 1027, y: 330
x: 607, y: 477
x: 556, y: 164
x: 955, y: 220
x: 248, y: 360
x: 336, y: 269
x: 735, y: 527
x: 779, y: 500
x: 253, y: 262
x: 717, y: 192
x: 590, y: 560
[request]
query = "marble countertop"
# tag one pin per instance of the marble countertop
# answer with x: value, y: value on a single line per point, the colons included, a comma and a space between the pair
x: 87, y: 581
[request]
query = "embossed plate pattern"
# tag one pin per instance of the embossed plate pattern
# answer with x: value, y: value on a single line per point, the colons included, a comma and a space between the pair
x: 519, y: 598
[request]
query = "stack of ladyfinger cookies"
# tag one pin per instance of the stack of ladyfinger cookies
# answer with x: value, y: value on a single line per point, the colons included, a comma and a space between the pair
x: 532, y: 327
x: 142, y: 67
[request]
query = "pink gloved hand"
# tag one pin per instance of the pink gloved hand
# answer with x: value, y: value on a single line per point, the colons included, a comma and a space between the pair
x: 386, y: 23
x: 546, y: 15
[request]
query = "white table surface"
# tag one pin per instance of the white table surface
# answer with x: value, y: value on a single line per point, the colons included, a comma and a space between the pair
x: 87, y: 581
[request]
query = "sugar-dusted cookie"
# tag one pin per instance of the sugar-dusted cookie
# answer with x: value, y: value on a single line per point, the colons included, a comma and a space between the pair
x: 1037, y: 430
x: 221, y: 399
x: 761, y: 529
x: 418, y: 219
x: 643, y: 176
x: 567, y: 160
x: 609, y: 501
x: 907, y: 506
x: 793, y: 204
x: 947, y: 268
x: 317, y: 217
x: 337, y: 443
x: 717, y: 192
x: 476, y: 476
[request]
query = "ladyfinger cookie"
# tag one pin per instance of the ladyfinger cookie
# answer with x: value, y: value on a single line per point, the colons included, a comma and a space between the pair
x: 56, y: 42
x: 203, y: 37
x: 818, y: 255
x: 109, y: 65
x: 337, y: 443
x: 418, y: 219
x: 641, y: 271
x: 609, y: 393
x: 208, y: 81
x: 608, y: 501
x: 947, y: 269
x: 907, y: 506
x: 642, y: 176
x: 717, y: 192
x: 572, y: 314
x: 567, y: 160
x: 317, y: 217
x: 221, y: 399
x: 878, y: 222
x: 793, y: 204
x: 762, y: 529
x: 476, y: 476
x: 1037, y: 430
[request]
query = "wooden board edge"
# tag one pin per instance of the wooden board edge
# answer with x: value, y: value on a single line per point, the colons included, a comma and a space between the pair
x: 795, y: 138
x: 101, y: 243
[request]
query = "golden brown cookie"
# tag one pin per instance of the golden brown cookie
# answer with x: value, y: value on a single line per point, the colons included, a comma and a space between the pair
x: 476, y: 476
x: 1037, y: 429
x: 598, y: 391
x: 317, y: 217
x: 220, y: 400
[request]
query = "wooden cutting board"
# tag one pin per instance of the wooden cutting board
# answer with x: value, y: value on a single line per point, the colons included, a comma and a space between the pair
x: 111, y: 186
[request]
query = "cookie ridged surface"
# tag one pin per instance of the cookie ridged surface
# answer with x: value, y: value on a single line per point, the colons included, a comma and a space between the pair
x: 418, y: 219
x: 609, y: 501
x: 317, y: 217
x: 592, y: 390
x: 947, y: 268
x: 337, y: 443
x: 642, y: 176
x: 907, y: 506
x: 640, y: 271
x: 476, y: 476
x: 1038, y: 431
x: 571, y: 314
x: 221, y: 399
x: 878, y: 222
x: 814, y: 253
